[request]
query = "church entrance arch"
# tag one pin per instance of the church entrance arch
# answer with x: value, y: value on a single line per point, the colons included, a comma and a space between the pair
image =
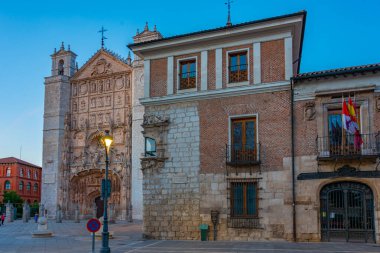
x: 85, y: 192
x: 347, y: 212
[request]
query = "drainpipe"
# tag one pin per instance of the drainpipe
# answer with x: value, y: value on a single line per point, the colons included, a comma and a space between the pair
x: 293, y: 166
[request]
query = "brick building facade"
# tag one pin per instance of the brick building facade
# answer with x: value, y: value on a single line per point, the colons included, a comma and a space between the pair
x: 22, y: 177
x: 218, y: 107
x: 233, y: 129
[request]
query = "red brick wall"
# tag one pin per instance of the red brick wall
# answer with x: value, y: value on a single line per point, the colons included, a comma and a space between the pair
x: 272, y: 61
x: 225, y: 62
x: 305, y: 131
x: 158, y: 77
x: 15, y: 180
x: 176, y: 58
x: 211, y: 70
x: 273, y: 124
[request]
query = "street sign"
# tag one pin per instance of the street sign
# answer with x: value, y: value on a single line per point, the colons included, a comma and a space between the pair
x: 93, y: 225
x: 104, y: 187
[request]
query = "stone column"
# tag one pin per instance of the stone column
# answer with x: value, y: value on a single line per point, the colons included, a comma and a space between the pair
x: 112, y: 213
x: 58, y: 215
x: 94, y: 210
x: 8, y: 211
x: 76, y: 214
x: 12, y: 213
x: 25, y: 212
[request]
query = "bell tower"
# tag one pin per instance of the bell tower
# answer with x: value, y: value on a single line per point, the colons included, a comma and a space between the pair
x: 56, y: 108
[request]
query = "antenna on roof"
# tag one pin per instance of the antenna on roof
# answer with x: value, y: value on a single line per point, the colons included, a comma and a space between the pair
x: 229, y: 2
x: 20, y: 151
x: 103, y: 37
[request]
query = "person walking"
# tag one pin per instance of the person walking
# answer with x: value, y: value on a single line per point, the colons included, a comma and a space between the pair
x: 2, y: 218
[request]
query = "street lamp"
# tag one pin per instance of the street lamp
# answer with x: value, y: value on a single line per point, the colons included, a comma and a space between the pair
x: 106, y: 141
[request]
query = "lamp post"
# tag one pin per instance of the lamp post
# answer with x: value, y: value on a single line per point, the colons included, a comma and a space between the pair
x: 107, y: 141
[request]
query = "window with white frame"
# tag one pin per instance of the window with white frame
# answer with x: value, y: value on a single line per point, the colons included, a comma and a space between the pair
x: 187, y: 74
x: 238, y: 66
x: 8, y: 172
x: 21, y: 172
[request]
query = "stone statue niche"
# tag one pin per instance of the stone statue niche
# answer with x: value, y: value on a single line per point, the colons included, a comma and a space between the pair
x: 156, y: 128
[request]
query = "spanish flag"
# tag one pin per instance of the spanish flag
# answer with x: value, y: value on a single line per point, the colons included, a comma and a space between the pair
x: 350, y: 121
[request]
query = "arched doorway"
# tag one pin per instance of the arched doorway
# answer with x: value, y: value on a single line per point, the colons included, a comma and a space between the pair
x: 99, y: 207
x: 347, y: 212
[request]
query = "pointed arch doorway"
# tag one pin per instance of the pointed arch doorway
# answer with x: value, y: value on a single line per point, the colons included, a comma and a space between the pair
x: 99, y: 207
x: 347, y: 212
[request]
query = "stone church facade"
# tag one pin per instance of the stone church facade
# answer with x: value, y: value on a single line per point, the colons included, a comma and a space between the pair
x: 80, y: 104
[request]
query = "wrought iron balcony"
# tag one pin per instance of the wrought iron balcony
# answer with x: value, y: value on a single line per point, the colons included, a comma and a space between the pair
x: 241, y: 155
x: 335, y: 147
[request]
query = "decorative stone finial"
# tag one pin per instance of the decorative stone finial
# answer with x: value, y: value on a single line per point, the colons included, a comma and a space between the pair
x: 146, y: 28
x: 76, y: 66
x: 137, y: 32
x: 55, y: 50
x: 68, y: 47
x: 155, y: 28
x: 62, y: 46
x: 129, y: 58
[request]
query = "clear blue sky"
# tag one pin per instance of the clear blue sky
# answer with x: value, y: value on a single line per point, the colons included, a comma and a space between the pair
x: 338, y: 33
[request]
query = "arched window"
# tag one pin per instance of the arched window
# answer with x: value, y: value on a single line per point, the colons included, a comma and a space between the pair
x: 28, y: 173
x: 28, y: 186
x: 21, y: 172
x: 35, y: 175
x: 61, y: 67
x: 35, y: 187
x: 7, y: 185
x: 21, y: 186
x: 8, y: 172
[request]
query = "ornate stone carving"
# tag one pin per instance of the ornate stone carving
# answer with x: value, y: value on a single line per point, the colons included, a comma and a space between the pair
x: 309, y: 111
x: 378, y: 104
x: 83, y: 88
x: 101, y: 67
x: 155, y: 127
x: 92, y: 102
x: 151, y: 119
x: 152, y: 163
x: 119, y: 83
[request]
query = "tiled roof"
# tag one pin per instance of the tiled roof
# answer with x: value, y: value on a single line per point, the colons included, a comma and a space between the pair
x: 15, y: 160
x: 219, y: 28
x: 340, y: 71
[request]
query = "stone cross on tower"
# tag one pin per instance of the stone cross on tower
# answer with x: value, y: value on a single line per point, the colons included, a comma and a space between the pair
x: 229, y: 2
x: 103, y: 37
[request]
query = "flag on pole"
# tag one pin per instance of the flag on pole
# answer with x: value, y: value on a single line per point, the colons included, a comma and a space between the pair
x: 350, y: 122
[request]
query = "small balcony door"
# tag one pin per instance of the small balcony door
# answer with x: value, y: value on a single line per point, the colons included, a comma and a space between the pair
x: 243, y: 148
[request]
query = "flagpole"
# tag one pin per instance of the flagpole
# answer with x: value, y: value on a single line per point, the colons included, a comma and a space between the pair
x: 343, y: 122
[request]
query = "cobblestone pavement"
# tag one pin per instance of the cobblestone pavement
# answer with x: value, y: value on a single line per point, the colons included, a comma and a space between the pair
x: 73, y: 237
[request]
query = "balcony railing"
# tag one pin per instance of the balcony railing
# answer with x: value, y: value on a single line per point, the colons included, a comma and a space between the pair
x: 243, y: 154
x: 187, y: 80
x: 238, y: 73
x: 344, y: 147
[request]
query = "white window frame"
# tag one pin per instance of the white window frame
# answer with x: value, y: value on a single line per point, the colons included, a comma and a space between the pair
x: 196, y: 74
x: 244, y: 116
x: 9, y: 172
x: 228, y: 63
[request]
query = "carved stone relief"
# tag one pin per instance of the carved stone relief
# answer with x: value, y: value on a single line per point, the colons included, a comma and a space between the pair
x: 378, y: 104
x: 75, y: 90
x: 92, y: 102
x: 118, y: 136
x: 75, y: 106
x: 119, y: 83
x: 309, y: 111
x: 101, y: 67
x: 155, y: 127
x: 93, y: 120
x: 108, y: 101
x: 92, y: 87
x: 119, y: 99
x: 79, y: 139
x: 83, y: 88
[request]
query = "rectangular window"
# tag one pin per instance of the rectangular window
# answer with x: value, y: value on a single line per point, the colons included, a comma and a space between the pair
x: 238, y: 67
x: 187, y: 75
x: 340, y: 141
x: 243, y: 200
x: 243, y: 140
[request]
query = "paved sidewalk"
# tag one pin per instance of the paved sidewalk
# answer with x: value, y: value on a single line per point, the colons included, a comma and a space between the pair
x: 73, y: 237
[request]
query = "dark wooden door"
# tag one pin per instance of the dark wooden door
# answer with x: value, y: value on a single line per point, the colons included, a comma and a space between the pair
x: 99, y: 207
